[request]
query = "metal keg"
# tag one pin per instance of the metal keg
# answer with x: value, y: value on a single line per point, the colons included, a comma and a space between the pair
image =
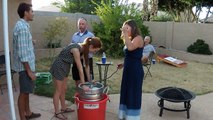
x: 94, y: 93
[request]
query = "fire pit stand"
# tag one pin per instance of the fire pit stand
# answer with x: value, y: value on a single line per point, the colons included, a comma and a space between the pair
x: 176, y: 95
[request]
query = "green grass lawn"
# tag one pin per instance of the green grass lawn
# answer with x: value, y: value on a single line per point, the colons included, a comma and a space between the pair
x: 196, y: 77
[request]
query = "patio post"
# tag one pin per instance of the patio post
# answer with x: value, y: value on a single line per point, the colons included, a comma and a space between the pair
x: 7, y: 57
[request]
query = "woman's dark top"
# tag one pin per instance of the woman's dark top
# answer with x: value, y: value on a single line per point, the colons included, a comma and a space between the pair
x: 61, y: 66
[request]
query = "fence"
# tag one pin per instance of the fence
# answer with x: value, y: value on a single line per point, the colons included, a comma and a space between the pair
x: 179, y: 36
x: 174, y: 36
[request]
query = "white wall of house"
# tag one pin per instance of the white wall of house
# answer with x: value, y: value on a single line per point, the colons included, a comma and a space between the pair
x: 12, y: 17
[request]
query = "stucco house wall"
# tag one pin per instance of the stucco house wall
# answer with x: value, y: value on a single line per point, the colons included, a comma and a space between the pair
x: 12, y: 18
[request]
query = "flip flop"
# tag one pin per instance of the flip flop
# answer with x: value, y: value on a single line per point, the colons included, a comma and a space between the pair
x: 67, y: 110
x: 60, y: 116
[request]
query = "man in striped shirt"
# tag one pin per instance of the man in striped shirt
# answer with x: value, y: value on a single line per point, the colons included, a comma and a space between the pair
x: 24, y: 60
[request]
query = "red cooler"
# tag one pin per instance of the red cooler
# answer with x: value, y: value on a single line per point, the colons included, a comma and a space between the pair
x: 91, y: 110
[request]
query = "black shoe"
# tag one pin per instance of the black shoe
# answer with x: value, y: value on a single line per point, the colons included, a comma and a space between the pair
x: 33, y: 115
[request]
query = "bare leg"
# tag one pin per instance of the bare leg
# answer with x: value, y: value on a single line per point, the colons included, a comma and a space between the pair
x: 22, y: 105
x: 63, y: 93
x: 27, y: 105
x: 57, y: 94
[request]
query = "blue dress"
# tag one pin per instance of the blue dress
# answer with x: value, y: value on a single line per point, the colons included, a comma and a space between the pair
x: 131, y: 85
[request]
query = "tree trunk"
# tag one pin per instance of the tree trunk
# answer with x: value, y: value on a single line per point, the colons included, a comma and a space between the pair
x: 154, y: 9
x: 145, y: 10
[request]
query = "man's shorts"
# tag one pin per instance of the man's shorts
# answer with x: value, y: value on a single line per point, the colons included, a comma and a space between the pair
x: 91, y: 67
x: 25, y: 82
x: 75, y: 73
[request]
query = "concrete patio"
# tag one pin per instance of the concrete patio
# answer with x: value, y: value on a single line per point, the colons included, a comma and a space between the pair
x: 201, y: 109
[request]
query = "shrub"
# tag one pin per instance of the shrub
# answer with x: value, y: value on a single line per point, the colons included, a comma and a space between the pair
x: 199, y: 47
x: 112, y: 15
x: 55, y: 32
x: 163, y: 18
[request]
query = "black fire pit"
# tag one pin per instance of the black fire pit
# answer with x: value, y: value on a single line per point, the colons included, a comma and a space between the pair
x: 176, y: 95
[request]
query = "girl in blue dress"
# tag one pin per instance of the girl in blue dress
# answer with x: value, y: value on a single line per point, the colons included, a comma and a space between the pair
x: 132, y: 79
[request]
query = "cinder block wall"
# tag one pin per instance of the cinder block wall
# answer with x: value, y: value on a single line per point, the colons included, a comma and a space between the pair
x: 182, y: 55
x: 176, y: 37
x: 42, y: 19
x: 179, y: 36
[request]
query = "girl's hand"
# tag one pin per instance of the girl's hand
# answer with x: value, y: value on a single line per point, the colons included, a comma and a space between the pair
x: 120, y: 66
x: 124, y: 29
x: 85, y: 88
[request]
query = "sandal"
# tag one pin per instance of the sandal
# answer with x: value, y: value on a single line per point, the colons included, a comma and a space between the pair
x: 33, y: 115
x: 67, y: 110
x: 60, y: 116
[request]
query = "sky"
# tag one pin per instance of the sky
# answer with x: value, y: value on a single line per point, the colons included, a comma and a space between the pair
x: 40, y: 3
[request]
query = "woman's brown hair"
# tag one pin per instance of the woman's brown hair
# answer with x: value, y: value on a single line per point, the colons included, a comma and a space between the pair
x: 95, y: 42
x: 135, y: 30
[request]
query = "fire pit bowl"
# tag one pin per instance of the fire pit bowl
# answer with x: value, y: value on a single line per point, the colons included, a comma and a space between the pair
x: 176, y: 95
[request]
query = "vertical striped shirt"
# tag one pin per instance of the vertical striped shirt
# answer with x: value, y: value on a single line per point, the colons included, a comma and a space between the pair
x: 23, y: 50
